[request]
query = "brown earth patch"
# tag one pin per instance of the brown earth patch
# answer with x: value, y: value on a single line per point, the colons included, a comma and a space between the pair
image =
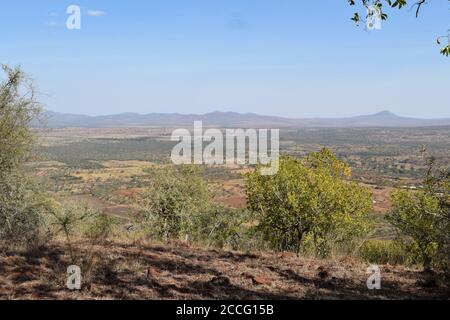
x: 144, y: 271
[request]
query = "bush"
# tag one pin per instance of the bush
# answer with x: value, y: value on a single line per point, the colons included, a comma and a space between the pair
x: 173, y: 201
x: 178, y: 205
x: 22, y: 206
x: 422, y: 219
x: 22, y: 211
x: 223, y: 227
x: 384, y: 252
x: 75, y: 220
x: 100, y: 227
x: 309, y: 204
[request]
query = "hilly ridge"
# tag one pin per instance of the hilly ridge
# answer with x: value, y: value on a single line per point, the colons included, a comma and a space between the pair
x: 230, y: 119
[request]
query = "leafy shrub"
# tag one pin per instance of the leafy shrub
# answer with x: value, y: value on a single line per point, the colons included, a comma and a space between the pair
x: 223, y: 227
x: 384, y: 252
x: 171, y: 202
x: 100, y: 227
x: 22, y: 211
x: 422, y: 219
x: 177, y: 204
x: 76, y: 220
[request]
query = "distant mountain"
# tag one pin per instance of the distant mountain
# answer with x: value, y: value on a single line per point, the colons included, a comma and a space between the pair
x: 229, y: 120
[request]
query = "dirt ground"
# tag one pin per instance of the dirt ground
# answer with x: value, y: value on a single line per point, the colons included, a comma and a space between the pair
x: 120, y: 270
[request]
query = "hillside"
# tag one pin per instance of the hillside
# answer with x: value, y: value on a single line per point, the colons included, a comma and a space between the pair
x: 230, y: 119
x: 144, y: 271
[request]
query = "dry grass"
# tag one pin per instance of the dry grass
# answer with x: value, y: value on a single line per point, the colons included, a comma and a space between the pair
x: 114, y: 169
x: 135, y: 270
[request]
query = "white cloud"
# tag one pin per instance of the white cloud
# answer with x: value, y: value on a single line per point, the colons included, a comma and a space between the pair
x: 95, y: 13
x: 51, y: 24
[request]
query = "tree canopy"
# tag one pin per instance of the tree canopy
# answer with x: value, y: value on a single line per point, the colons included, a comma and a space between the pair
x: 21, y: 205
x: 382, y: 6
x: 309, y: 203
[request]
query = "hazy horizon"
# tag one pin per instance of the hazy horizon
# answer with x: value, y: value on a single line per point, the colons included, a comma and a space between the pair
x: 242, y: 113
x: 283, y: 58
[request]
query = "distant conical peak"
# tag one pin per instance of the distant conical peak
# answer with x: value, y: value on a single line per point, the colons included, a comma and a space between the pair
x: 385, y: 113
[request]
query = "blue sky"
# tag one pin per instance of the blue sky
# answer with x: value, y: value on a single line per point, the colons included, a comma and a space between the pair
x: 291, y: 58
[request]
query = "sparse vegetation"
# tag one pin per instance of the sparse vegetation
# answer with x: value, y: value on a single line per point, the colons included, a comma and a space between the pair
x: 89, y: 200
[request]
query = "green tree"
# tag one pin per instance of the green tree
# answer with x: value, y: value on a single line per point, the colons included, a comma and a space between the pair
x: 18, y: 109
x: 21, y: 204
x: 309, y: 202
x: 423, y: 219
